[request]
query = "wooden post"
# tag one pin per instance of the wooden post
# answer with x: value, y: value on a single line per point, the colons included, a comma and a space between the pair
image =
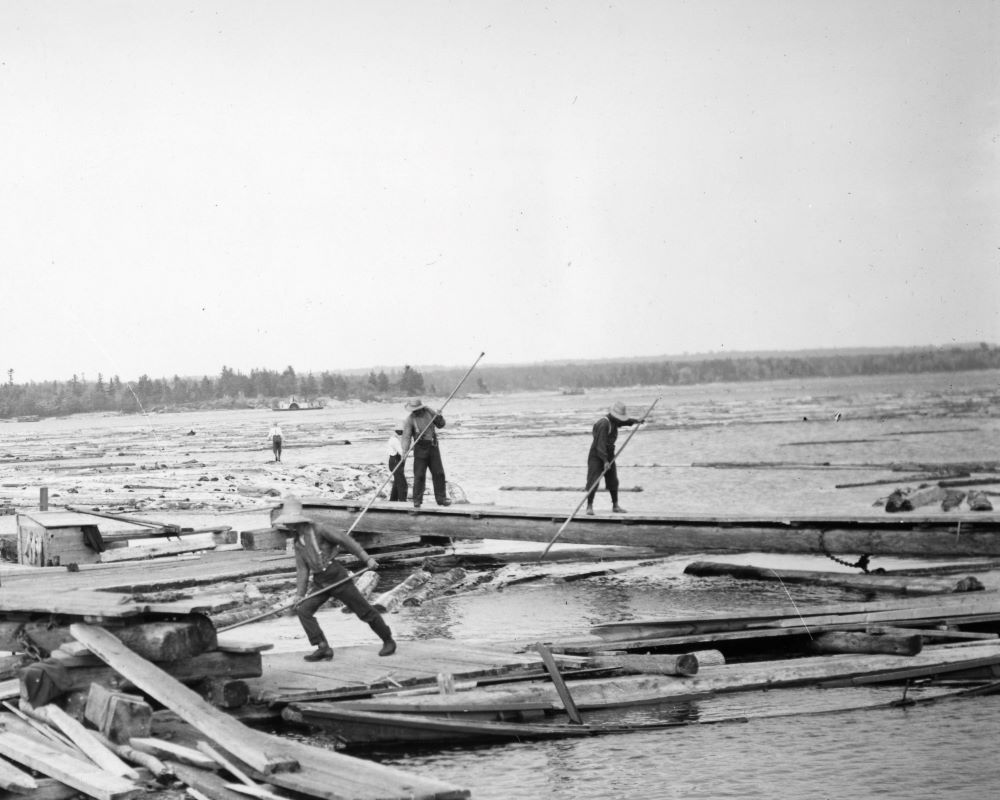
x: 43, y: 498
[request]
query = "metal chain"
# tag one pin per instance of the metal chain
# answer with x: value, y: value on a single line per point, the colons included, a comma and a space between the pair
x: 862, y: 563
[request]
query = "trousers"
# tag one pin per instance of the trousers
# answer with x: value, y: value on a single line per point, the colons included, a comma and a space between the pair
x: 399, y: 487
x: 428, y: 456
x: 348, y: 594
x: 594, y: 467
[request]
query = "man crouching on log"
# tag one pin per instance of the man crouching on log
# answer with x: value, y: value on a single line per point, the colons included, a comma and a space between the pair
x: 316, y: 549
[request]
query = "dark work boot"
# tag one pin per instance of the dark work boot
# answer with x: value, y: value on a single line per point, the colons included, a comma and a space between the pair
x: 388, y: 647
x: 322, y: 653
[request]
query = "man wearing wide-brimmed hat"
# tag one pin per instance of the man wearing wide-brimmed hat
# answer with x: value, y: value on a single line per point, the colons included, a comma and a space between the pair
x: 419, y: 427
x: 317, y: 546
x: 602, y: 455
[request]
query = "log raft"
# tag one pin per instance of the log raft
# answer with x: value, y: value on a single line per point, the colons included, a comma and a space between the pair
x: 939, y: 534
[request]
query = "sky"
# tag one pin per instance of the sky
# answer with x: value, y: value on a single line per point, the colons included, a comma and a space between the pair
x: 342, y: 185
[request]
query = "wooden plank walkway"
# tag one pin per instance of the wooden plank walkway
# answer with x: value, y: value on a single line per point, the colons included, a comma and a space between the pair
x: 909, y: 534
x: 287, y: 677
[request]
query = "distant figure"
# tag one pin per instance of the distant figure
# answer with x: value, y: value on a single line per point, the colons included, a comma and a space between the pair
x: 419, y: 427
x: 276, y: 439
x: 836, y: 417
x: 317, y: 546
x: 602, y: 454
x: 396, y: 453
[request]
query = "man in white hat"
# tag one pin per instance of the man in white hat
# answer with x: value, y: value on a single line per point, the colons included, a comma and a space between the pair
x: 316, y: 549
x: 602, y: 455
x: 419, y: 427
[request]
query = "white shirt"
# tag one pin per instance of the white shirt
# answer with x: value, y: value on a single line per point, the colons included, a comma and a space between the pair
x: 394, y: 445
x: 276, y: 431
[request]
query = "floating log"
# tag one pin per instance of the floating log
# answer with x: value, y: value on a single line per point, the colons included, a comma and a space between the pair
x: 886, y: 583
x: 933, y: 476
x: 393, y: 599
x: 682, y: 664
x: 855, y: 642
x: 579, y: 489
x: 436, y: 585
x: 874, y: 533
x: 970, y: 482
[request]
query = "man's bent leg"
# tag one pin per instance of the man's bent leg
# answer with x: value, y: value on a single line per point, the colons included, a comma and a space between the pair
x: 351, y: 597
x: 306, y: 611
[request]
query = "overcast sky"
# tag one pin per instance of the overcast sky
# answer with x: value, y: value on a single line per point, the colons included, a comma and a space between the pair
x: 335, y: 185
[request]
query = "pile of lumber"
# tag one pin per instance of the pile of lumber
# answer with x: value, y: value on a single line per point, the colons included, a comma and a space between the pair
x: 83, y: 722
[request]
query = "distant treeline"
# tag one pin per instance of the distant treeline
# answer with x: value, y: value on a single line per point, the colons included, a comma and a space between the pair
x: 264, y: 388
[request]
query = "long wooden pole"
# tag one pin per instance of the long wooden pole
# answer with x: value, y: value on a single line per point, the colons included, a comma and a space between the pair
x: 294, y: 603
x: 597, y: 481
x: 413, y: 443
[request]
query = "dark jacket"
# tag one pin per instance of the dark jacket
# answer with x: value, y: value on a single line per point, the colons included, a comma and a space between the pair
x: 605, y: 435
x: 416, y: 422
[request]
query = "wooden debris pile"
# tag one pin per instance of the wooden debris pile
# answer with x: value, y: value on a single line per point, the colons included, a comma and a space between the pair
x: 144, y: 704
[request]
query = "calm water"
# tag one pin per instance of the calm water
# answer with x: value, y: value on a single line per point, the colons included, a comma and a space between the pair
x: 946, y: 750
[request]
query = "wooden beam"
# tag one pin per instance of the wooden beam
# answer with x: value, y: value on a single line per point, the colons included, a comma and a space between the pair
x: 81, y: 775
x: 172, y: 752
x: 560, y: 684
x: 247, y: 745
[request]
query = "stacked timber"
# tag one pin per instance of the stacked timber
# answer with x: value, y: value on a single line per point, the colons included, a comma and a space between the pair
x: 84, y: 720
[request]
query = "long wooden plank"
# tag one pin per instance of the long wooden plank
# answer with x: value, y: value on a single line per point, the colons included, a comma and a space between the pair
x: 560, y: 684
x: 81, y: 775
x: 966, y: 534
x: 13, y: 779
x: 88, y: 744
x: 247, y: 745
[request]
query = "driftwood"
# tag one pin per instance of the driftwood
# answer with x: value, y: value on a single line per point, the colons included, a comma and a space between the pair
x: 855, y: 642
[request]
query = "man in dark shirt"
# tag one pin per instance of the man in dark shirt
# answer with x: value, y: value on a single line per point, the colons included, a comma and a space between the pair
x: 316, y: 548
x: 419, y: 427
x: 602, y: 454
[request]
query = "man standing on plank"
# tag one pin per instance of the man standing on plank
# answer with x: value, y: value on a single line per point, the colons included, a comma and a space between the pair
x: 419, y: 427
x: 316, y: 548
x: 602, y: 453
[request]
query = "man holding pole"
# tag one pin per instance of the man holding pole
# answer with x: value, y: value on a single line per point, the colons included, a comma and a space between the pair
x: 419, y: 427
x: 602, y: 455
x: 316, y: 548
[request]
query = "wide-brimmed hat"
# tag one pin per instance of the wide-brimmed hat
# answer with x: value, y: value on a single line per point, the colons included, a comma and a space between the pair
x: 291, y: 513
x: 618, y: 411
x: 414, y: 404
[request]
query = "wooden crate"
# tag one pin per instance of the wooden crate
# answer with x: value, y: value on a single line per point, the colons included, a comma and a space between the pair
x: 54, y: 538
